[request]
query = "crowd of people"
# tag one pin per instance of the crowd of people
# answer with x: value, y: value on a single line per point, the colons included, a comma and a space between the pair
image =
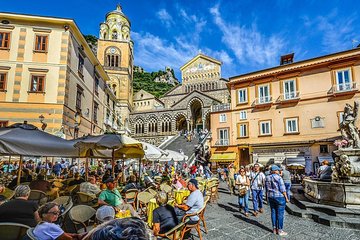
x: 274, y: 184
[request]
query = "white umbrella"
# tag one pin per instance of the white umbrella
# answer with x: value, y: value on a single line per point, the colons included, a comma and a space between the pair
x: 172, y: 155
x: 152, y: 152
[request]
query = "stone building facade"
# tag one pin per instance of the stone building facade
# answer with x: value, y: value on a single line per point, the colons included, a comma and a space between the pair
x: 185, y: 107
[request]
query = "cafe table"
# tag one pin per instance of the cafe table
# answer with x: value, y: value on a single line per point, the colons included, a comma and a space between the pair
x: 180, y: 194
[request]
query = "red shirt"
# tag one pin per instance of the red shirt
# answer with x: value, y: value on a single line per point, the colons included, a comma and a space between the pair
x: 193, y: 169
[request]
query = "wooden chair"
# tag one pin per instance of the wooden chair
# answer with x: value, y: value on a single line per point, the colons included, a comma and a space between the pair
x: 174, y: 233
x: 82, y: 215
x: 190, y: 224
x: 152, y: 191
x: 166, y: 188
x: 202, y: 213
x: 12, y: 231
x: 87, y: 199
x: 39, y: 196
x: 143, y: 198
x: 131, y: 197
x: 214, y: 194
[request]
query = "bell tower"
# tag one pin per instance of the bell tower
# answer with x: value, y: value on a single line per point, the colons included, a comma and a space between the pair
x: 115, y: 53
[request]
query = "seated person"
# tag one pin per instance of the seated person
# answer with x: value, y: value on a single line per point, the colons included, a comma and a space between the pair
x: 131, y: 184
x: 165, y: 177
x: 325, y: 171
x: 46, y: 229
x: 19, y: 209
x: 193, y: 204
x: 104, y: 214
x: 128, y: 228
x: 112, y: 197
x: 25, y: 177
x: 164, y: 217
x: 45, y: 186
x: 2, y: 197
x: 90, y: 187
x: 178, y: 182
x: 149, y: 182
x: 77, y: 180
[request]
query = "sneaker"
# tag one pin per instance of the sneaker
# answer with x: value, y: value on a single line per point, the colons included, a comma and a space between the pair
x: 282, y: 233
x: 275, y: 231
x: 256, y: 213
x: 261, y: 210
x: 246, y: 215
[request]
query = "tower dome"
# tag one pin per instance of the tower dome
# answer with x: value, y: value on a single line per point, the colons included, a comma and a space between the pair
x: 116, y: 26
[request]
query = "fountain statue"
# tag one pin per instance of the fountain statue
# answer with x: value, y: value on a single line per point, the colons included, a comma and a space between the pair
x: 344, y: 188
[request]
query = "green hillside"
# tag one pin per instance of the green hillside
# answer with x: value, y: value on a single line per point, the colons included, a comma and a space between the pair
x: 145, y: 81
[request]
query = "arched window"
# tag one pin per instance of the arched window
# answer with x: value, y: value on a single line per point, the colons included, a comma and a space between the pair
x: 104, y: 36
x: 112, y: 57
x: 139, y: 126
x: 152, y: 125
x: 166, y: 124
x: 114, y: 35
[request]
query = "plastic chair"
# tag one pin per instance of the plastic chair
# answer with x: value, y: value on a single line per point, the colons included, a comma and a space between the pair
x: 12, y: 231
x: 152, y: 192
x: 8, y: 193
x: 82, y: 215
x: 131, y: 197
x: 31, y: 235
x: 39, y: 196
x: 67, y: 203
x: 166, y: 188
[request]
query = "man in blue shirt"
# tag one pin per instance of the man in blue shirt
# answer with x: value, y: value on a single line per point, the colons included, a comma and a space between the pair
x: 277, y: 197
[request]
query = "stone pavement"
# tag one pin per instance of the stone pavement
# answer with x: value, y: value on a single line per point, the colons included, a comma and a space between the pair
x: 224, y: 222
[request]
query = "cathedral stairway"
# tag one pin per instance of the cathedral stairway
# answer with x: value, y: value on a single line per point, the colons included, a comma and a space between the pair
x: 180, y: 143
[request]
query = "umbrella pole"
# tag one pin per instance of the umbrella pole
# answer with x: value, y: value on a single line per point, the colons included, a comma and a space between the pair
x: 139, y: 170
x: 113, y: 163
x: 86, y: 168
x: 8, y: 168
x: 20, y: 169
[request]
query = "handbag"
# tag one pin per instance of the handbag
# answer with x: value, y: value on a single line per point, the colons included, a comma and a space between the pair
x: 242, y: 191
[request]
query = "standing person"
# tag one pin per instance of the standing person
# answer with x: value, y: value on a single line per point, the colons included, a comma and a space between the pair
x: 276, y: 193
x: 257, y: 183
x: 286, y: 176
x: 231, y: 179
x: 57, y: 169
x: 207, y: 171
x: 243, y: 182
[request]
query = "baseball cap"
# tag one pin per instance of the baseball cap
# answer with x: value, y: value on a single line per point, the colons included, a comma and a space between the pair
x: 275, y: 168
x: 194, y: 182
x: 110, y: 179
x: 105, y: 213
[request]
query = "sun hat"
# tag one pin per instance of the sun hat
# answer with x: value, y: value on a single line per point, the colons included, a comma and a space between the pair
x: 275, y: 168
x: 105, y: 213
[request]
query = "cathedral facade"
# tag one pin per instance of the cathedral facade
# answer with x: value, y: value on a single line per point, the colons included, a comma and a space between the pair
x: 185, y: 107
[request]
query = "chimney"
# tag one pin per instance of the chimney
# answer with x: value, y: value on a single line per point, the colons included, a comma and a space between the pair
x: 287, y: 59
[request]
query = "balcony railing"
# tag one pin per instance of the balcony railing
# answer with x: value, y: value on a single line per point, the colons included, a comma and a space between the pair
x: 288, y: 96
x: 263, y: 101
x: 220, y: 107
x: 222, y: 142
x: 344, y: 87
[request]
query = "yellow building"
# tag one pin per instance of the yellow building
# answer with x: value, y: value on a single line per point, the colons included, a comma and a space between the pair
x: 289, y: 113
x: 50, y: 77
x: 115, y: 53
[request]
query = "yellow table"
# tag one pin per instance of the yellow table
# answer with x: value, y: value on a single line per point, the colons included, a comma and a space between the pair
x: 152, y: 205
x: 180, y: 194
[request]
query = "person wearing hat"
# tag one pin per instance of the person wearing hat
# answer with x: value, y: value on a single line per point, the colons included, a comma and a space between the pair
x: 111, y: 196
x: 193, y: 204
x: 105, y: 213
x: 277, y: 197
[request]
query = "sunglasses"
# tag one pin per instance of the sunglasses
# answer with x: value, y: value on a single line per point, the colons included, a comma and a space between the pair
x: 54, y: 213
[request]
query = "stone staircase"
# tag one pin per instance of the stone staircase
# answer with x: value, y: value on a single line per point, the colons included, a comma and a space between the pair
x: 180, y: 142
x: 328, y: 215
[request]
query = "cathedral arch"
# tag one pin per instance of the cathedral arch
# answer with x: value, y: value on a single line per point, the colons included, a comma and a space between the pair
x: 152, y: 124
x: 112, y: 57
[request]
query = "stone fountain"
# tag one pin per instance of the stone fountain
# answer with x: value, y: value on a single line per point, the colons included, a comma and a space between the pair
x: 344, y: 188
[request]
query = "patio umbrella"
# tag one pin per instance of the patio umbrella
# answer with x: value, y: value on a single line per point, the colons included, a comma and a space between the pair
x: 153, y: 152
x: 295, y: 166
x: 119, y: 145
x: 27, y: 140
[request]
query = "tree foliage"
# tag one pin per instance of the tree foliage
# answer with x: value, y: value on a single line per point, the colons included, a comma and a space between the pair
x: 146, y: 82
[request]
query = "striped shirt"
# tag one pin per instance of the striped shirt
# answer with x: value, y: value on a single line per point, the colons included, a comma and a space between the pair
x: 274, y: 186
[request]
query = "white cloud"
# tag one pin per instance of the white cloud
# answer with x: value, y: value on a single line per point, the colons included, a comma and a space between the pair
x: 247, y: 43
x: 165, y: 17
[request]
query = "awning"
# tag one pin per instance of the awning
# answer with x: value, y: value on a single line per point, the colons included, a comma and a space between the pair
x: 297, y: 160
x: 223, y: 157
x: 323, y: 158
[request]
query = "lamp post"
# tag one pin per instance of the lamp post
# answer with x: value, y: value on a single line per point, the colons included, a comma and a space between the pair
x: 43, y: 124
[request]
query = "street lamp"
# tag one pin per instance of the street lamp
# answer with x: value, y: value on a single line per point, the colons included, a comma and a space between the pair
x: 44, y: 125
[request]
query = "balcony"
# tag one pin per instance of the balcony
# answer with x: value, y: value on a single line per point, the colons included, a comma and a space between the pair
x: 289, y: 97
x: 220, y: 107
x: 343, y: 89
x: 263, y: 102
x: 222, y: 142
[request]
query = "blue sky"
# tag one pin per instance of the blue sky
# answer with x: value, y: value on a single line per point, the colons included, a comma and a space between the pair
x: 246, y: 35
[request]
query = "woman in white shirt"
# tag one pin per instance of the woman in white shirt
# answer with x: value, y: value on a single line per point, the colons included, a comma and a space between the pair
x: 243, y: 183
